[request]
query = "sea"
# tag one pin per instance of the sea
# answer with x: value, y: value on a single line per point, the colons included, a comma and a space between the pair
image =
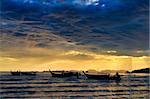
x: 43, y: 86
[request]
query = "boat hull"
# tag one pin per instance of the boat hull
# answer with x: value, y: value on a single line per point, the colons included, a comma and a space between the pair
x: 103, y: 77
x: 28, y: 73
x: 23, y: 73
x: 98, y: 77
x: 15, y: 73
x: 63, y: 74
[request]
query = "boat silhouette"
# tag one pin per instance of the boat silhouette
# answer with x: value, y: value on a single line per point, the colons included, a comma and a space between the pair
x: 18, y: 73
x: 62, y: 74
x: 28, y: 73
x: 103, y: 76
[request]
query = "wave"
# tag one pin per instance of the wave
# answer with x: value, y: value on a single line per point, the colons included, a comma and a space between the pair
x: 46, y: 87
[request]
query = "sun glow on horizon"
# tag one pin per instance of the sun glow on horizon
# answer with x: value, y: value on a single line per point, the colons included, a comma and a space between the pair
x: 43, y: 59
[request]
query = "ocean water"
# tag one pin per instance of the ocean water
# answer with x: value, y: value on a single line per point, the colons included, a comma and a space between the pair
x: 43, y: 86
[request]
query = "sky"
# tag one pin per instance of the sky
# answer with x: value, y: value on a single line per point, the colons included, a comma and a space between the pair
x: 74, y: 34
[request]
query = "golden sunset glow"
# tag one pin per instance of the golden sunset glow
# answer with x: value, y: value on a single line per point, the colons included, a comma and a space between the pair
x: 40, y: 59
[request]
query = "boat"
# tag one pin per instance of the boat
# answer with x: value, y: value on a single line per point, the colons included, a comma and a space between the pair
x: 103, y: 76
x: 62, y: 74
x: 18, y: 73
x: 28, y: 73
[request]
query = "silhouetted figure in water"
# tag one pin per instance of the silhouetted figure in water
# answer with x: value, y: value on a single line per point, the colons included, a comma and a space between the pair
x: 117, y: 75
x: 77, y: 75
x: 118, y: 78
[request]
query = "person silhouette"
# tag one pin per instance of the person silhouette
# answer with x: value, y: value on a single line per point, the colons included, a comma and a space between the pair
x: 118, y: 76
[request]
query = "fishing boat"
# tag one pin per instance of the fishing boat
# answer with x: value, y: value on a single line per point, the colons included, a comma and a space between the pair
x: 28, y: 73
x: 103, y: 76
x: 62, y: 74
x: 18, y: 73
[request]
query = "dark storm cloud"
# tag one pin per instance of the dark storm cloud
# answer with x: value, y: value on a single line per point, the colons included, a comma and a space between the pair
x: 120, y: 25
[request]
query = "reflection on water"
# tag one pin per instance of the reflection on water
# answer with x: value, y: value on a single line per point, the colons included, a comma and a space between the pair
x: 43, y: 86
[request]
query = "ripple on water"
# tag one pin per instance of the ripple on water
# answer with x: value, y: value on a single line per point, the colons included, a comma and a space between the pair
x: 44, y: 86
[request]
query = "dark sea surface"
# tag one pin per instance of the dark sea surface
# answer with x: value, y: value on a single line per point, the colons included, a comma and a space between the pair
x: 43, y: 86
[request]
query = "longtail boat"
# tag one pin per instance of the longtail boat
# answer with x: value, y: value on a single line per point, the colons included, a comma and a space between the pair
x: 28, y: 73
x: 18, y: 73
x: 103, y: 76
x: 62, y: 74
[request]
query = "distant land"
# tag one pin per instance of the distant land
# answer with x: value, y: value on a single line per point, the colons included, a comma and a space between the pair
x: 113, y: 71
x: 144, y: 70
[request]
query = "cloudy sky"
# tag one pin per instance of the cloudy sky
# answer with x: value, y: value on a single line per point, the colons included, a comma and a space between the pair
x: 74, y: 34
